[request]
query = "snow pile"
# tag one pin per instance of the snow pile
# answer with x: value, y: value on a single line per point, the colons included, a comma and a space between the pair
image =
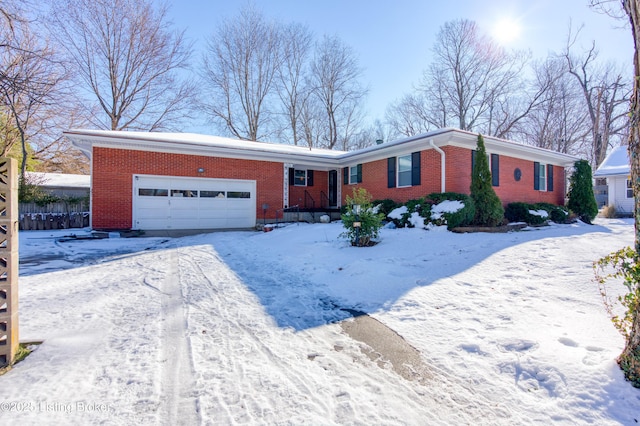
x: 246, y: 328
x: 446, y: 206
x: 542, y: 213
x: 397, y: 213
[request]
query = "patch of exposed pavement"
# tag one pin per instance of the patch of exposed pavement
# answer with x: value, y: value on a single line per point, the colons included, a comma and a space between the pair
x: 385, y: 347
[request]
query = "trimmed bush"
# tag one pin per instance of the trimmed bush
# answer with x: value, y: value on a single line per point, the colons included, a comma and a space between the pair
x: 385, y: 206
x: 437, y: 197
x: 519, y: 212
x: 419, y: 206
x: 462, y: 217
x: 557, y: 214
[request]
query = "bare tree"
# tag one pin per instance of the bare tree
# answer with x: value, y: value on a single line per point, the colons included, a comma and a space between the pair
x: 605, y: 96
x: 472, y: 83
x: 629, y: 10
x: 335, y: 81
x: 128, y: 60
x: 32, y: 90
x: 630, y: 359
x: 311, y: 116
x: 296, y: 49
x: 240, y: 71
x: 560, y: 121
x: 412, y: 115
x: 470, y: 74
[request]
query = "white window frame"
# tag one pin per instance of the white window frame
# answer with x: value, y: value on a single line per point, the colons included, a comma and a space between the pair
x: 409, y: 172
x: 295, y: 177
x: 542, y: 177
x: 353, y: 175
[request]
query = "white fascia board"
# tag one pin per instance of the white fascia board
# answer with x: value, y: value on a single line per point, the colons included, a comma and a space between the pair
x: 512, y: 149
x: 318, y: 159
x: 216, y: 147
x: 397, y: 148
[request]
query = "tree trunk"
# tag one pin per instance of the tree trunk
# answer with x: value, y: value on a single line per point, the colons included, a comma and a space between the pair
x: 629, y: 360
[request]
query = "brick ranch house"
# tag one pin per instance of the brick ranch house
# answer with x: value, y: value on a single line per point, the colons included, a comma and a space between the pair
x: 152, y: 181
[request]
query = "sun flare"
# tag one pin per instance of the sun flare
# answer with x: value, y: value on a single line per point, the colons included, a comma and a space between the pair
x: 506, y: 30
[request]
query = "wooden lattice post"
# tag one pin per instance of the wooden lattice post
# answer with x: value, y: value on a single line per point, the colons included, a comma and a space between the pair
x: 8, y: 260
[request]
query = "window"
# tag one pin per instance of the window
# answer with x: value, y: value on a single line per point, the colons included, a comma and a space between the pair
x: 542, y: 177
x: 352, y: 175
x: 300, y: 177
x: 153, y: 192
x: 238, y: 194
x: 211, y: 194
x: 629, y: 189
x: 493, y: 160
x: 403, y: 171
x: 186, y: 193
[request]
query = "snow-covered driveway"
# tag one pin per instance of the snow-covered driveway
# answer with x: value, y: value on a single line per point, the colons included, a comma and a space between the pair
x: 245, y: 328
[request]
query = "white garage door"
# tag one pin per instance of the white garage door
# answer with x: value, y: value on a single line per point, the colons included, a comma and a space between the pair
x: 162, y: 202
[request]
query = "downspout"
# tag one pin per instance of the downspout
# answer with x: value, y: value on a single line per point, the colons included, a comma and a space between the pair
x: 443, y: 173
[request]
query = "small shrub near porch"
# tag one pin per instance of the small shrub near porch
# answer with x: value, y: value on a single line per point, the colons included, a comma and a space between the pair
x: 362, y: 223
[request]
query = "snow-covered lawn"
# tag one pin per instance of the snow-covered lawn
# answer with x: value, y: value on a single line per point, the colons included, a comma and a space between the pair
x: 245, y: 328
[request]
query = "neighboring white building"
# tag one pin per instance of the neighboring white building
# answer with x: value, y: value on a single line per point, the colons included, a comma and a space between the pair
x: 616, y: 171
x: 63, y: 185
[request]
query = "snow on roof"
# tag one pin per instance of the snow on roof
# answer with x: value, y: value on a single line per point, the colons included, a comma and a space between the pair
x: 210, y: 141
x: 195, y: 144
x: 616, y: 163
x: 60, y: 179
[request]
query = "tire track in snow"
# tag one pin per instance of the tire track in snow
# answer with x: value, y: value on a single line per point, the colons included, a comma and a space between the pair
x: 232, y: 336
x: 179, y: 405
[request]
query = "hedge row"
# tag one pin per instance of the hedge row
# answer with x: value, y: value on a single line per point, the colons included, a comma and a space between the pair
x: 532, y: 214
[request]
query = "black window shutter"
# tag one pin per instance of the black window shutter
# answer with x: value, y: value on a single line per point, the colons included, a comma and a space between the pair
x: 345, y: 175
x: 495, y: 170
x: 309, y: 177
x: 415, y: 168
x: 550, y: 177
x: 391, y: 172
x: 292, y: 178
x: 473, y: 160
x: 536, y: 176
x: 359, y: 173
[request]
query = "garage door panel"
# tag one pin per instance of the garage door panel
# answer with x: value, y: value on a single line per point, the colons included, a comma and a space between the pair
x: 214, y: 214
x: 193, y: 203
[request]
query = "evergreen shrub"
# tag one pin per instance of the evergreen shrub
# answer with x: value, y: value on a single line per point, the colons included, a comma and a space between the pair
x: 582, y: 200
x: 370, y: 221
x: 489, y: 210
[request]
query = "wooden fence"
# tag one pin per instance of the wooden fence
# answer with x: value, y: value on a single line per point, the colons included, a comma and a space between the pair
x: 53, y: 216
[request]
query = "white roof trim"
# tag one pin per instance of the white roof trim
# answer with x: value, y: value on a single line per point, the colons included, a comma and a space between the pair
x: 320, y: 159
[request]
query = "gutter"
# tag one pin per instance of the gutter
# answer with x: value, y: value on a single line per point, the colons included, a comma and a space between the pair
x: 443, y: 173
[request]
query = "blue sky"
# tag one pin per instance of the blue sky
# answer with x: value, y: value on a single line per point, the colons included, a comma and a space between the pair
x: 393, y: 39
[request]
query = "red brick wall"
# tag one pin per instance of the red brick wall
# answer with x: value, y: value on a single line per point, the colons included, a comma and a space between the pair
x: 113, y: 170
x: 112, y: 185
x: 320, y: 184
x: 458, y: 179
x: 374, y: 180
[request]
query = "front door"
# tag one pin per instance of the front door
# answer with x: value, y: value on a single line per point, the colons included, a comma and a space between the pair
x: 333, y: 188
